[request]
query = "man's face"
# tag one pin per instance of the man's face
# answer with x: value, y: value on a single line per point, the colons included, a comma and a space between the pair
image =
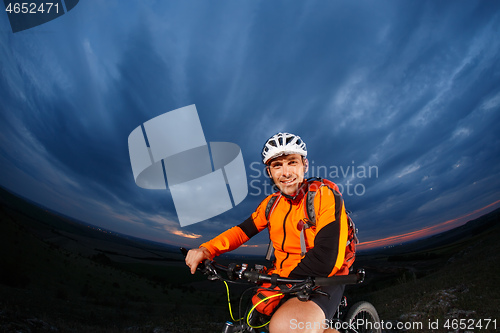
x: 287, y: 173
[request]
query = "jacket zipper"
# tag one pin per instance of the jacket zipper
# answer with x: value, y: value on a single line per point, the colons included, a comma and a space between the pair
x: 284, y: 236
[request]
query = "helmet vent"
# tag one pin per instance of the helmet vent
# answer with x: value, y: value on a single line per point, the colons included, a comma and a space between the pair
x: 283, y: 144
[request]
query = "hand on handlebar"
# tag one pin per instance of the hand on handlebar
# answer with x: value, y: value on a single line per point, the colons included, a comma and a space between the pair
x: 202, y: 260
x: 195, y: 256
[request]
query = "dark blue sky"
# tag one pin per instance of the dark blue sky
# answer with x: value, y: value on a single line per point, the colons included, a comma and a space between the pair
x: 409, y: 90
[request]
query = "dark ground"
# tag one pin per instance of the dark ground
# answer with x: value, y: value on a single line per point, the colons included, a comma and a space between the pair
x: 57, y: 275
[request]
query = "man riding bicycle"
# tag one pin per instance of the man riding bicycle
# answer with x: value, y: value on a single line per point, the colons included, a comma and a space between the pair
x: 284, y: 155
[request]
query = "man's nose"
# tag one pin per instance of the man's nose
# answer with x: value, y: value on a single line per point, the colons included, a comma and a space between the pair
x: 286, y: 170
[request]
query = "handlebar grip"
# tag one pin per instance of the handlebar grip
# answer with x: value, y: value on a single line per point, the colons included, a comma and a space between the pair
x: 202, y: 266
x: 253, y: 276
x: 337, y: 280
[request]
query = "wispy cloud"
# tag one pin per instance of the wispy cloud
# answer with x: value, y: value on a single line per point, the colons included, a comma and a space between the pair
x: 408, y: 88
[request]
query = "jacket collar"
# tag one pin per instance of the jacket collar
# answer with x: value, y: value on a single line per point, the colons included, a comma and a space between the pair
x: 300, y: 193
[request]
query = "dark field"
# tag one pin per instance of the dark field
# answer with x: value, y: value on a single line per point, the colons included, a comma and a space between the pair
x: 57, y: 275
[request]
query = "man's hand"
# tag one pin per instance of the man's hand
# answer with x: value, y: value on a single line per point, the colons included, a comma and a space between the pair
x: 195, y: 256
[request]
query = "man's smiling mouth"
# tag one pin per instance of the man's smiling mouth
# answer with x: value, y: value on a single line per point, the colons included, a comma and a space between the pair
x: 287, y: 181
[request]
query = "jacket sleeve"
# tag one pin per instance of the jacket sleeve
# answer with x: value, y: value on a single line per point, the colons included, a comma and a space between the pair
x: 237, y: 235
x: 327, y: 255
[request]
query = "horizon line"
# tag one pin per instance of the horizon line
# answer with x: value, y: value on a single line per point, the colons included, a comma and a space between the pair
x: 421, y: 233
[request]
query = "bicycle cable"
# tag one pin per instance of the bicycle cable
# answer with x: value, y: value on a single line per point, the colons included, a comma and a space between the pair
x: 229, y: 303
x: 257, y: 304
x: 242, y: 298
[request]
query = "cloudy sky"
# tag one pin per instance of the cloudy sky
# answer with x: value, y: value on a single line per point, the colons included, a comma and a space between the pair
x: 398, y: 102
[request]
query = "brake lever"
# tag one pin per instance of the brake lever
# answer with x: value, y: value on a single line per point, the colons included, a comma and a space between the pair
x: 306, y: 289
x: 321, y: 292
x: 209, y: 270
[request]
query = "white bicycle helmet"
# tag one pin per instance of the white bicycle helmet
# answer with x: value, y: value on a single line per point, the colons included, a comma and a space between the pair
x: 283, y: 144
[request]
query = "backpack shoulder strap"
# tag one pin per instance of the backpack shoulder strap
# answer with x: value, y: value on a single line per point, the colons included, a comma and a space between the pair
x: 271, y: 204
x: 310, y: 212
x: 313, y: 186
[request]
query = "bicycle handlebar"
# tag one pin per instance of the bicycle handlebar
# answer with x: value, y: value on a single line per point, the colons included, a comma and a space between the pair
x: 241, y: 272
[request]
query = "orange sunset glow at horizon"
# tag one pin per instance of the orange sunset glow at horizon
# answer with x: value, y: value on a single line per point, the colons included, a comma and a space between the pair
x: 422, y: 233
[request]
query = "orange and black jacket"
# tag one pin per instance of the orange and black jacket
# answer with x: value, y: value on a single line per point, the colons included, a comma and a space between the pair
x: 325, y: 242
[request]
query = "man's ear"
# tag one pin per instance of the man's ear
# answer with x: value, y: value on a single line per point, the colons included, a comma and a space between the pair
x: 268, y: 172
x: 306, y: 165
